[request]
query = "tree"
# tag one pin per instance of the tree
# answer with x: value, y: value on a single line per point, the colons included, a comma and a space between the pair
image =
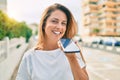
x: 13, y: 29
x: 96, y: 30
x: 3, y: 27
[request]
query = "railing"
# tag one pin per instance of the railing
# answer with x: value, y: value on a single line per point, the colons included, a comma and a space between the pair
x: 4, y: 49
x: 8, y: 45
x: 11, y: 52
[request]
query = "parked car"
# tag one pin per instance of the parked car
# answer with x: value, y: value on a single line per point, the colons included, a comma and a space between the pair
x: 111, y: 41
x: 97, y: 40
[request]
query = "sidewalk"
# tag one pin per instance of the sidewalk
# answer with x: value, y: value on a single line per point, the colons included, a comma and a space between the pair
x: 21, y: 51
x: 102, y: 65
x: 10, y: 63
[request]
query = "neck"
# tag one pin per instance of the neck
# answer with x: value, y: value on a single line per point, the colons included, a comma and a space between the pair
x: 50, y: 45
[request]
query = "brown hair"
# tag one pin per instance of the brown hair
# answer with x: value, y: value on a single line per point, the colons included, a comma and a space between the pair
x: 71, y: 30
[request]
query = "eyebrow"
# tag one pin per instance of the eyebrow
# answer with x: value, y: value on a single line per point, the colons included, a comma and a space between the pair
x: 58, y: 19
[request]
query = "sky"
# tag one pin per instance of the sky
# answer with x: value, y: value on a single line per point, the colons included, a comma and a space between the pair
x: 31, y: 10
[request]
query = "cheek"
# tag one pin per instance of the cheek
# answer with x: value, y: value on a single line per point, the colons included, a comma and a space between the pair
x: 65, y: 30
x: 48, y: 26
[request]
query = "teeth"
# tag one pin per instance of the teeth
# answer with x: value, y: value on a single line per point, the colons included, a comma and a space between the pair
x: 57, y: 32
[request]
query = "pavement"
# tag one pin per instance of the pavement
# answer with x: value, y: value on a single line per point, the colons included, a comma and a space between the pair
x: 18, y: 57
x: 102, y: 65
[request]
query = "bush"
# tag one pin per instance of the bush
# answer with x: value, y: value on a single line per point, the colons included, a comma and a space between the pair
x: 3, y: 27
x: 13, y: 29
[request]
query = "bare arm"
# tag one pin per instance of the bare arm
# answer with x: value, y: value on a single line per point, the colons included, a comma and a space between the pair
x: 78, y: 72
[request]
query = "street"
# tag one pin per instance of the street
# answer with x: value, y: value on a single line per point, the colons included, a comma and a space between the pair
x: 102, y: 65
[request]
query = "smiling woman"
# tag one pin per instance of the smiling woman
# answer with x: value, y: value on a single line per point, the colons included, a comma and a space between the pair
x: 47, y: 60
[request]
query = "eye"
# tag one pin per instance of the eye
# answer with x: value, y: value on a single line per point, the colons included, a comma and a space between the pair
x: 54, y: 21
x: 64, y: 23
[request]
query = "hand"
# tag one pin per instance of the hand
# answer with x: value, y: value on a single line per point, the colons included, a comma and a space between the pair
x: 59, y: 45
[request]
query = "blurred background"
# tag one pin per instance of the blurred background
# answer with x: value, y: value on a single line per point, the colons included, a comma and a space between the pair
x: 98, y: 34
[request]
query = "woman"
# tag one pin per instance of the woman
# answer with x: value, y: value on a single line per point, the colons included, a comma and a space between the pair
x: 47, y: 61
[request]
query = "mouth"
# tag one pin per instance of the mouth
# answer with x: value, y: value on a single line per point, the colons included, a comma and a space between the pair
x: 56, y: 32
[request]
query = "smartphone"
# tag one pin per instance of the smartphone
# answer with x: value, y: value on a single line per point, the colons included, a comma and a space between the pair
x: 69, y: 46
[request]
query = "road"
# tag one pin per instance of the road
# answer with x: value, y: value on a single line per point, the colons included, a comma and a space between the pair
x: 102, y: 65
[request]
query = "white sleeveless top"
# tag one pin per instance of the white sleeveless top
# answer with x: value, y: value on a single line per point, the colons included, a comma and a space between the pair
x: 46, y: 65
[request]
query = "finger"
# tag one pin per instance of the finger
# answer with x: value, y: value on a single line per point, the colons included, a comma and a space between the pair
x: 60, y: 45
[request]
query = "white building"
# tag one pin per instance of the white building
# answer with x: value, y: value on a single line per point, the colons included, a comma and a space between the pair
x: 3, y: 5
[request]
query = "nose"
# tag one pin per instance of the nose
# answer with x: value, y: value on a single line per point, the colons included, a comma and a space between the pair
x: 59, y: 25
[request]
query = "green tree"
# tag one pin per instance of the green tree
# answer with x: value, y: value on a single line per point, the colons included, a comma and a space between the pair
x: 96, y: 30
x: 13, y: 29
x: 3, y: 26
x: 25, y: 31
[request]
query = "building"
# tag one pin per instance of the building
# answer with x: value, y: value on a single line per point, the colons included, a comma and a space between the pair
x: 3, y: 5
x: 101, y: 17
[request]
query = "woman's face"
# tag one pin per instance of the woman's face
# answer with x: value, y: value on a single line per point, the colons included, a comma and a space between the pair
x: 55, y: 25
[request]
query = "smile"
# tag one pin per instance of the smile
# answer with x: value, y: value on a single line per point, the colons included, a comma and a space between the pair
x: 56, y: 32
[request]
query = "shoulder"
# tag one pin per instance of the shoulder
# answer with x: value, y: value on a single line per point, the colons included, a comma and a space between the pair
x: 28, y: 53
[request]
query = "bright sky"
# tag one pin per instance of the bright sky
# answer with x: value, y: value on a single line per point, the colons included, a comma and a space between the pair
x: 31, y: 10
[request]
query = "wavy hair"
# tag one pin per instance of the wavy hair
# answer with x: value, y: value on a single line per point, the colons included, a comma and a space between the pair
x: 71, y: 28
